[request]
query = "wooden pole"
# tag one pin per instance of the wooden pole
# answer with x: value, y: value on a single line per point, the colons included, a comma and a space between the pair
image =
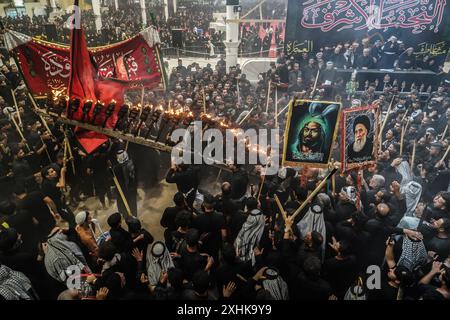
x: 238, y: 93
x: 402, y: 136
x: 314, y: 193
x: 204, y: 101
x: 268, y: 95
x: 44, y: 122
x: 13, y: 92
x: 282, y: 110
x: 20, y: 132
x: 333, y: 179
x: 280, y: 207
x: 246, y: 116
x: 358, y: 189
x: 315, y: 84
x: 69, y: 149
x: 46, y: 151
x: 446, y: 153
x: 444, y: 133
x: 122, y: 195
x: 262, y: 180
x: 276, y: 108
x: 413, y: 157
x: 380, y: 136
x: 142, y: 96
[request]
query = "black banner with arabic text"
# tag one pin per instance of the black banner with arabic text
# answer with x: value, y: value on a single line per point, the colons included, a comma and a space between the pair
x: 315, y: 24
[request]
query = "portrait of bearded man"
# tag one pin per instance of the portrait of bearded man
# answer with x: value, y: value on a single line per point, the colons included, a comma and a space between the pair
x: 310, y: 139
x: 361, y: 148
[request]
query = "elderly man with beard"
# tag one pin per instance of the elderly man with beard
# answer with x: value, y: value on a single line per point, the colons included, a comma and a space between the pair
x: 362, y: 148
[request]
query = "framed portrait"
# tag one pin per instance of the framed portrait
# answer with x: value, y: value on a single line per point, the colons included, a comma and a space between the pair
x: 311, y: 129
x: 359, y: 129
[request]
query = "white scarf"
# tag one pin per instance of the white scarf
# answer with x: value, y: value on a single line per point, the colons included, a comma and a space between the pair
x: 313, y: 221
x: 412, y: 191
x: 249, y: 236
x: 14, y: 285
x: 157, y: 265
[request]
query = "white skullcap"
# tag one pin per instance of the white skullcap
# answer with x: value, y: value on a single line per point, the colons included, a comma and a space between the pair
x: 81, y: 217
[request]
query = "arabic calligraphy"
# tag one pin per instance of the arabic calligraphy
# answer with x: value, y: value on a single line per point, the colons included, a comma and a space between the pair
x: 295, y: 47
x: 431, y: 49
x: 54, y: 67
x: 416, y: 15
x: 107, y: 62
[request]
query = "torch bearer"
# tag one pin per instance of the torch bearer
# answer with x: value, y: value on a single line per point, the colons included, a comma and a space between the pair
x: 134, y: 114
x: 86, y: 109
x: 164, y: 121
x: 143, y: 118
x: 62, y: 104
x: 121, y: 115
x: 97, y: 110
x: 177, y: 117
x: 154, y: 118
x: 49, y: 106
x: 109, y: 112
x: 74, y: 105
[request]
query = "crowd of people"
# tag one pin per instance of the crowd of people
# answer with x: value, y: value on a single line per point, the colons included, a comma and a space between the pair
x: 235, y: 244
x: 371, y: 53
x: 192, y: 18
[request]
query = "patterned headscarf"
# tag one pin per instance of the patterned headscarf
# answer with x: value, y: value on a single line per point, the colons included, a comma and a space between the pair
x: 158, y: 260
x: 249, y: 236
x: 413, y: 254
x: 275, y: 285
x: 14, y: 285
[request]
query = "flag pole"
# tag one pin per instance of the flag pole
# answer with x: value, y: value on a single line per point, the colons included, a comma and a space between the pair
x: 122, y: 195
x: 268, y: 95
x: 20, y: 132
x: 413, y: 157
x: 380, y: 135
x: 314, y: 193
x: 13, y: 92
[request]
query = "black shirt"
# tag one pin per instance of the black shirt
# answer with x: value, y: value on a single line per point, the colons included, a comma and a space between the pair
x: 439, y: 245
x: 209, y: 226
x: 35, y: 206
x: 191, y: 262
x: 50, y: 190
x: 387, y: 292
x: 340, y: 273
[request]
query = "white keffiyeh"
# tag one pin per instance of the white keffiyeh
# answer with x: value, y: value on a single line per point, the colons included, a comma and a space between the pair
x: 313, y: 221
x: 14, y: 285
x: 249, y: 236
x: 277, y: 287
x: 158, y: 261
x: 412, y: 191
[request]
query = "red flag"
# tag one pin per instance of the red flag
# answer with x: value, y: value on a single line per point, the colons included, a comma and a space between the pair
x: 82, y: 86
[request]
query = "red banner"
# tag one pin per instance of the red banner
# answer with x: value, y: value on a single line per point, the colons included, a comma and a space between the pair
x: 46, y: 66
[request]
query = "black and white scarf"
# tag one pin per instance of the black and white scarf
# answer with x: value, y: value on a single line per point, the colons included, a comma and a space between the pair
x: 413, y: 254
x: 249, y: 236
x: 157, y: 265
x: 14, y: 285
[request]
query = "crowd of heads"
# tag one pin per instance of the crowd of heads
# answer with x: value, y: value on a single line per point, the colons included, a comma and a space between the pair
x: 192, y: 18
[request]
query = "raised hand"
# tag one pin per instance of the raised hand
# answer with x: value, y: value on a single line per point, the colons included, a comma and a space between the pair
x: 228, y: 289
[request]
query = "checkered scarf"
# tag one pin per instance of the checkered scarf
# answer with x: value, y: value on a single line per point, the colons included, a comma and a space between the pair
x: 413, y: 254
x: 62, y: 254
x: 14, y: 285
